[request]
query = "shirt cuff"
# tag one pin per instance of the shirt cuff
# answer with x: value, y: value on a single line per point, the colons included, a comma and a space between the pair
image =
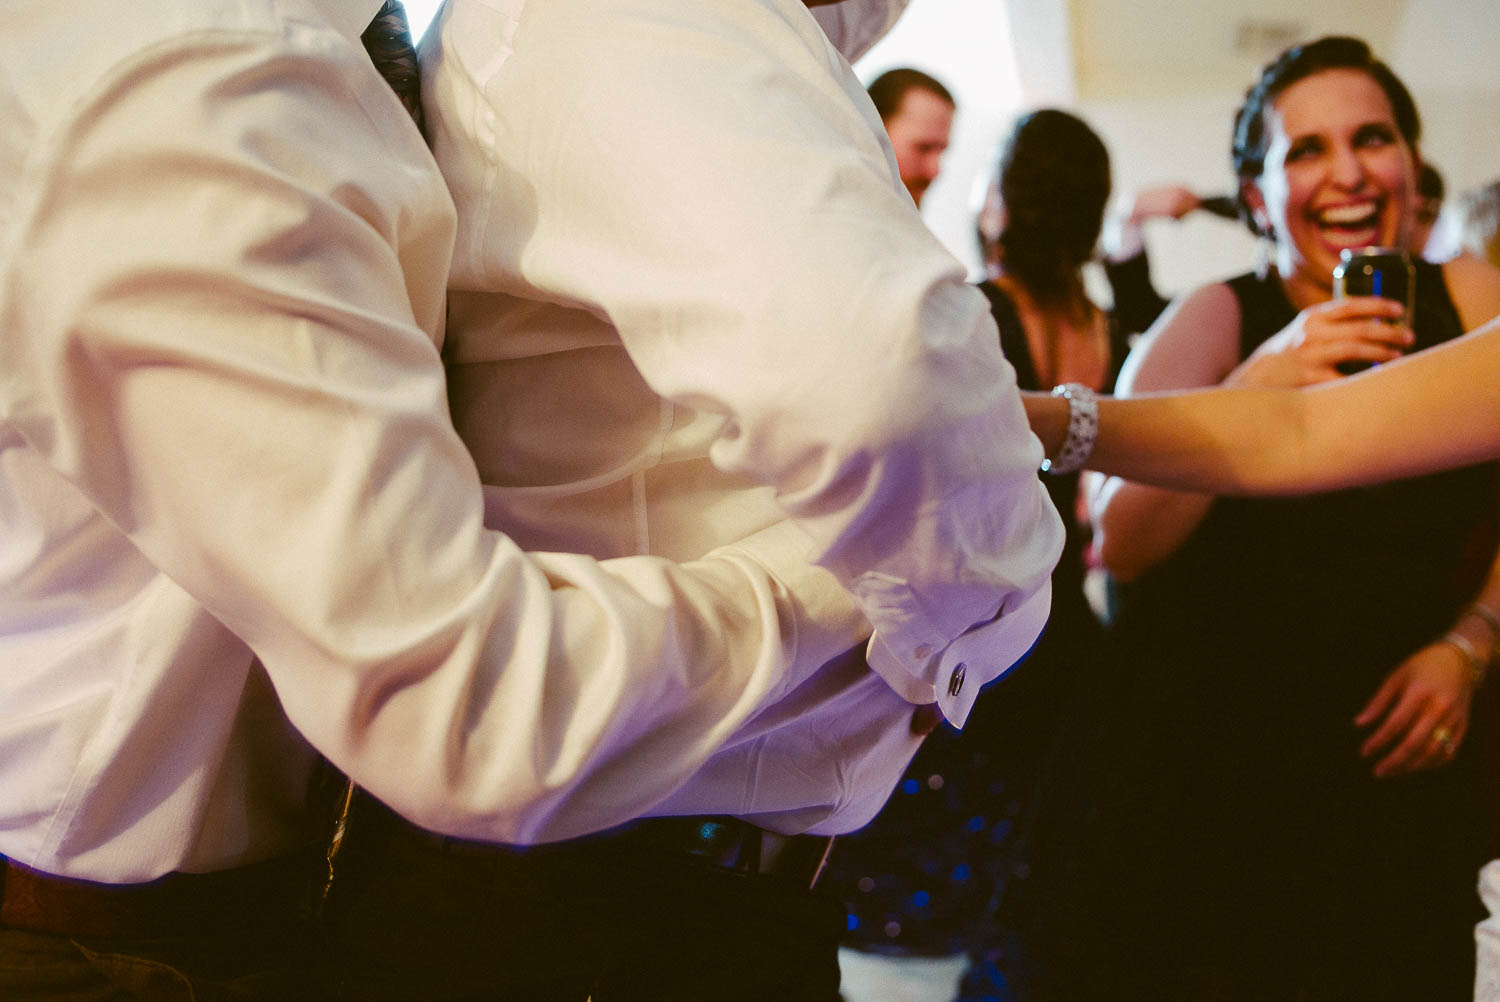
x: 951, y: 674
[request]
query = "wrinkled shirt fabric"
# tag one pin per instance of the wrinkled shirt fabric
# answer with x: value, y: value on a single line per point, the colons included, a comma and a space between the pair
x: 691, y: 301
x: 236, y: 522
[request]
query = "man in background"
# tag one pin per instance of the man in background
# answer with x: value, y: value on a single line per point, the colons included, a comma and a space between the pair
x: 917, y: 112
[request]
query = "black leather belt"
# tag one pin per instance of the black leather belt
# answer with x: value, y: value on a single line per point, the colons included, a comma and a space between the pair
x: 722, y: 842
x: 246, y: 898
x: 735, y: 845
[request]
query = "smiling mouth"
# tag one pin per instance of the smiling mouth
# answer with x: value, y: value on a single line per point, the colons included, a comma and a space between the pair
x: 1347, y: 225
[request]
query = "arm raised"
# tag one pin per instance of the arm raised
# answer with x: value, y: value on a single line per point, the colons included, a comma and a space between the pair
x: 1433, y: 411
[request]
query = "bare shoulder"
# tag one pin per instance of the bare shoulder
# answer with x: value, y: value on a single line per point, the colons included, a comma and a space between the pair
x: 1194, y: 343
x: 1474, y: 284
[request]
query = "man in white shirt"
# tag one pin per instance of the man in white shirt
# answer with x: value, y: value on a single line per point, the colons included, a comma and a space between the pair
x: 689, y: 294
x: 239, y: 526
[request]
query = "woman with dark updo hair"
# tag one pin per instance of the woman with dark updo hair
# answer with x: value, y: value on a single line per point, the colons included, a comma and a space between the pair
x: 1044, y: 208
x: 918, y: 881
x: 1037, y: 228
x: 1272, y: 792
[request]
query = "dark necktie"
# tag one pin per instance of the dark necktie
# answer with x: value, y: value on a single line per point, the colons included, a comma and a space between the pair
x: 388, y: 41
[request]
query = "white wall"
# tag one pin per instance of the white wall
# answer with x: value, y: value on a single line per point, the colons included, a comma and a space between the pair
x: 1177, y: 140
x: 968, y: 44
x: 419, y: 13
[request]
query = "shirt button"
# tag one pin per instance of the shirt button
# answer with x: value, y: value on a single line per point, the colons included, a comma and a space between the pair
x: 923, y: 652
x: 956, y: 680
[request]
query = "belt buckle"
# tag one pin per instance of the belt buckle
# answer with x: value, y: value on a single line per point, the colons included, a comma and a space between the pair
x: 724, y: 842
x: 798, y: 857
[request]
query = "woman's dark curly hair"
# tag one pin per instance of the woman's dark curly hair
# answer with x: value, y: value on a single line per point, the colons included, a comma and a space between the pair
x: 1332, y: 52
x: 1054, y: 182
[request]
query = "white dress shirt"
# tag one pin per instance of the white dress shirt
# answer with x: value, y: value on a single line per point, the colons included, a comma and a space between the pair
x: 1487, y: 936
x: 690, y: 297
x: 235, y: 518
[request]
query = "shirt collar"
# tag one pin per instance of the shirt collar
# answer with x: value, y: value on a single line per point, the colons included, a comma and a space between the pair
x: 854, y: 26
x: 350, y: 17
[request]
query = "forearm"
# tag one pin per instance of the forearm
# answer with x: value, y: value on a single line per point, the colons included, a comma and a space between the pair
x: 1427, y: 412
x: 1222, y: 442
x: 1478, y: 623
x: 1215, y: 441
x: 592, y: 694
x: 1138, y: 526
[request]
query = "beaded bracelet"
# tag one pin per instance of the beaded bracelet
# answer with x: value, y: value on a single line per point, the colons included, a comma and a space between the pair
x: 1083, y: 428
x: 1484, y: 612
x: 1478, y: 667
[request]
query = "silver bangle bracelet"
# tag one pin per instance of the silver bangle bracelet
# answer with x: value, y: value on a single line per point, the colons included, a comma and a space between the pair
x: 1476, y: 666
x: 1486, y: 614
x: 1083, y: 429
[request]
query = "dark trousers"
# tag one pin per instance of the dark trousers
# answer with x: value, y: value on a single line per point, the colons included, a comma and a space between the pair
x: 242, y: 935
x: 47, y: 967
x: 412, y: 917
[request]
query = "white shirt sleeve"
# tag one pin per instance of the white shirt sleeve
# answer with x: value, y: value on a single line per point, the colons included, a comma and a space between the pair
x: 222, y: 283
x: 710, y: 178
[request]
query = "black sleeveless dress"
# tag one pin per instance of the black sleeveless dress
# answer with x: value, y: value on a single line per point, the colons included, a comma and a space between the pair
x: 1210, y: 830
x: 919, y: 879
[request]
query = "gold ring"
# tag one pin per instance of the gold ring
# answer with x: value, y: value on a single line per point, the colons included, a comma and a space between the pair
x: 1443, y: 738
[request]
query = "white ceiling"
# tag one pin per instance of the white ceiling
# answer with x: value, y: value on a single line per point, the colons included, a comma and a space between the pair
x: 1137, y: 48
x: 1140, y: 48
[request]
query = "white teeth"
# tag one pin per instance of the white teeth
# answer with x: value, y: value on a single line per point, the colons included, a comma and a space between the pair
x: 1345, y: 215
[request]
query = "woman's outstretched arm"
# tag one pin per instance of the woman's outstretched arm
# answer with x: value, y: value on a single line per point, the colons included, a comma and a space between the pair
x: 1435, y: 410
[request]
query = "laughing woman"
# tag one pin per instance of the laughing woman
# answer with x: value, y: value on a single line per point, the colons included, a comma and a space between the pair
x: 1289, y: 807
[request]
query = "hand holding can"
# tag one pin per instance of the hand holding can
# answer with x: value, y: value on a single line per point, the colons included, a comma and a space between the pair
x: 1386, y: 272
